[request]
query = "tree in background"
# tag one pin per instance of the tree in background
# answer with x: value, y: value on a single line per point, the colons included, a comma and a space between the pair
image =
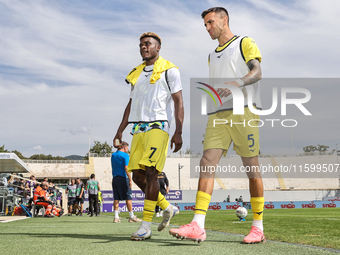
x: 46, y: 157
x: 319, y: 148
x: 2, y: 149
x: 309, y: 148
x: 188, y: 151
x: 19, y: 154
x: 100, y: 148
x: 323, y: 148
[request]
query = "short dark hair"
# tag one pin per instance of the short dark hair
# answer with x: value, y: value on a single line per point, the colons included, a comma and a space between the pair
x: 216, y: 10
x: 92, y: 176
x: 153, y: 35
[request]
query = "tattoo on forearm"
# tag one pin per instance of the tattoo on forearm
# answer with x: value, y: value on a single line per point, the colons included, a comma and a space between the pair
x: 255, y: 73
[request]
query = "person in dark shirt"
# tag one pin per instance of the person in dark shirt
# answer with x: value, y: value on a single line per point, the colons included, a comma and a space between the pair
x: 80, y: 196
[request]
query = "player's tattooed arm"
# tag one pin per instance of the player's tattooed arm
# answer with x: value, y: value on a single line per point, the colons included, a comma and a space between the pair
x: 255, y: 73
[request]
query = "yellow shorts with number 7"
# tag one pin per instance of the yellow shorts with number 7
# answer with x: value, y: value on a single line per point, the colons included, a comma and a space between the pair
x: 149, y: 149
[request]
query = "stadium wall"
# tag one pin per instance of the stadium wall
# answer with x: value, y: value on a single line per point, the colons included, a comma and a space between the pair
x: 277, y: 188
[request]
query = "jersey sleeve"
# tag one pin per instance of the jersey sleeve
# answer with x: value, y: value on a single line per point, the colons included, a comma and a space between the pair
x: 174, y: 80
x: 250, y: 50
x: 131, y: 91
x: 126, y: 159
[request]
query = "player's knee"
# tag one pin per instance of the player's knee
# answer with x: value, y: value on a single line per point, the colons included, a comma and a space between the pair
x: 151, y: 174
x: 137, y: 179
x: 208, y: 160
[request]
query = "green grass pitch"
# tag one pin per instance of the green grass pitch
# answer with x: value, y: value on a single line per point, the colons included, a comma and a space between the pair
x: 99, y: 235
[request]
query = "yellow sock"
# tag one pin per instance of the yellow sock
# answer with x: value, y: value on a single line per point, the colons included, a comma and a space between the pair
x: 149, y: 210
x: 162, y: 202
x: 202, y: 202
x: 257, y: 204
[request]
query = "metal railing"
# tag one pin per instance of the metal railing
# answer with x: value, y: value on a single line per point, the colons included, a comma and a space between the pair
x: 96, y: 155
x: 302, y: 154
x: 34, y: 161
x: 178, y: 155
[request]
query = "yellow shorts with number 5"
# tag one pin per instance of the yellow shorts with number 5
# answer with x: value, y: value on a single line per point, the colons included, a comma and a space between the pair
x: 224, y: 127
x: 149, y: 149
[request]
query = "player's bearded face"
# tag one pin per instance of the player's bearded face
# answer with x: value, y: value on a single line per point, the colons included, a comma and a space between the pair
x: 149, y: 48
x: 214, y: 25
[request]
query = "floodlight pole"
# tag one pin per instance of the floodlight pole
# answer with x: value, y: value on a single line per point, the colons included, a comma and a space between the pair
x: 179, y: 175
x: 89, y: 139
x: 337, y: 158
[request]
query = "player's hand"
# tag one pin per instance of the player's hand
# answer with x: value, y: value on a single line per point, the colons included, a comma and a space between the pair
x: 117, y: 140
x: 80, y: 196
x: 177, y: 140
x: 130, y: 184
x: 224, y: 92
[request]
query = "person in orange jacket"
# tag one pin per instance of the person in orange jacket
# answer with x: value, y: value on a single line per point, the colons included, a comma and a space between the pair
x: 40, y: 198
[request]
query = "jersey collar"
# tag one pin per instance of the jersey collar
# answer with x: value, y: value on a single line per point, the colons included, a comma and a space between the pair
x: 221, y: 48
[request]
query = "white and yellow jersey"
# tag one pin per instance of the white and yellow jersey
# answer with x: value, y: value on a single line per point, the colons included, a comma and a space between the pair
x: 229, y: 62
x: 153, y: 101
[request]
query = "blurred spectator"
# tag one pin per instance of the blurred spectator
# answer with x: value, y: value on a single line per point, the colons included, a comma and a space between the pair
x: 92, y: 187
x: 10, y: 181
x: 80, y: 196
x: 228, y: 199
x: 31, y: 184
x: 30, y: 187
x: 59, y: 199
x: 71, y: 192
x: 3, y: 180
x: 18, y: 185
x: 51, y: 191
x: 40, y: 198
x: 100, y: 200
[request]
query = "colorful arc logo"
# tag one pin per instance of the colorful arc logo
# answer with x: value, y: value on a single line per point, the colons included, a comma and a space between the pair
x: 209, y: 93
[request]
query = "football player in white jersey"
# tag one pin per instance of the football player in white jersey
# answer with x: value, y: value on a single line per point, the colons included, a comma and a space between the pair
x: 238, y: 58
x: 154, y: 85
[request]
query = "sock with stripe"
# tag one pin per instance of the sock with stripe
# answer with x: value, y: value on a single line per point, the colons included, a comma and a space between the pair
x: 149, y: 210
x: 257, y: 205
x: 162, y: 202
x: 201, y: 207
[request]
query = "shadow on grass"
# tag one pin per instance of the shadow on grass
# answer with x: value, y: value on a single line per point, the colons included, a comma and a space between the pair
x: 111, y: 238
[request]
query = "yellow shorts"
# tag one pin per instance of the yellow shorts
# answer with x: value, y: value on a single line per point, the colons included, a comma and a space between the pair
x: 222, y: 130
x: 149, y: 149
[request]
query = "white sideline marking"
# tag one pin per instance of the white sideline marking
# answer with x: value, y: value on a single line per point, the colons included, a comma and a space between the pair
x: 6, y: 219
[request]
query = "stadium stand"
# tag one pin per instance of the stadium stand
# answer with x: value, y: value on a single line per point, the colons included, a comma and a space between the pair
x: 178, y: 171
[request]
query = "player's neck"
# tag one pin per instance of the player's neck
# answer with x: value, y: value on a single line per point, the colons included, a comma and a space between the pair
x: 225, y: 37
x: 152, y: 61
